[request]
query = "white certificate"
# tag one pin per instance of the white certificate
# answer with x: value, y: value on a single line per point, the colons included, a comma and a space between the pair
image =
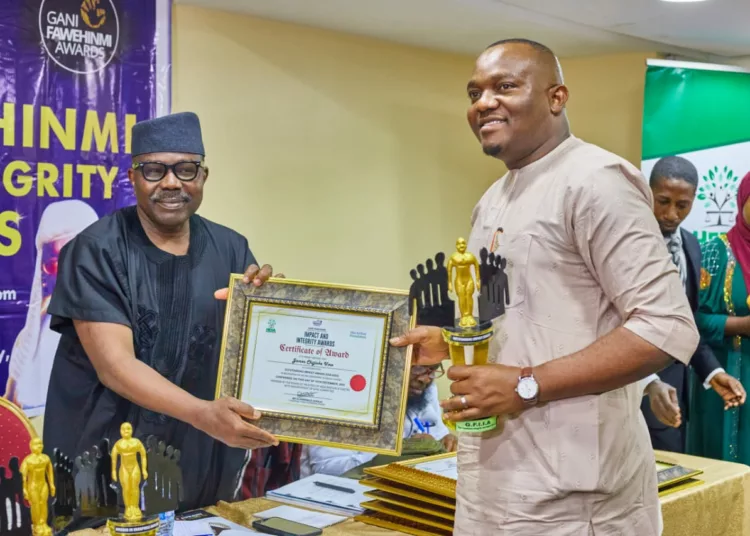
x: 314, y: 363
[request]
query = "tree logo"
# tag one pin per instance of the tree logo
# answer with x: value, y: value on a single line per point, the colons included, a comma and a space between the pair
x: 718, y: 192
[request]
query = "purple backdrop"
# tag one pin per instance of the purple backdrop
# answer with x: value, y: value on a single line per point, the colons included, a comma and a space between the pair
x: 74, y: 76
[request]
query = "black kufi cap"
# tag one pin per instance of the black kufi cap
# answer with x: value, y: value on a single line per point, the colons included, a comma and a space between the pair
x: 175, y: 133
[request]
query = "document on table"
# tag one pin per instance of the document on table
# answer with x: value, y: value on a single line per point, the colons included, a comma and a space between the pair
x: 324, y: 492
x: 201, y: 523
x: 306, y: 517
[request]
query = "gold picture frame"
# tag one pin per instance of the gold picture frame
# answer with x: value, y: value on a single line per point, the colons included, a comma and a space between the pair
x: 670, y: 475
x: 390, y: 522
x: 379, y: 427
x: 409, y: 515
x: 413, y: 504
x: 407, y: 474
x: 409, y: 492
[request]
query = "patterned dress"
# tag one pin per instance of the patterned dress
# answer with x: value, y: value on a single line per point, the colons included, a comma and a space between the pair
x: 713, y: 432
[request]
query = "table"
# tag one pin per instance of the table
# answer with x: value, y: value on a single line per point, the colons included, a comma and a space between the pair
x: 718, y: 507
x: 242, y: 514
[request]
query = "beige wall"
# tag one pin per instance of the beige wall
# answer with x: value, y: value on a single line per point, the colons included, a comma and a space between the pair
x: 606, y: 101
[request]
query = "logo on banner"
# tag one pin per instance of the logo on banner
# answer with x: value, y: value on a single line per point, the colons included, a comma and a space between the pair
x: 718, y: 193
x: 80, y: 36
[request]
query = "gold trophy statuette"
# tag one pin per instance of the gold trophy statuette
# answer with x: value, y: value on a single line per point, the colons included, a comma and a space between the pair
x: 467, y: 331
x: 38, y: 484
x: 126, y: 451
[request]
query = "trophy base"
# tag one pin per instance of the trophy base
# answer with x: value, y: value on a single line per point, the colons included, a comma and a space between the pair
x: 477, y: 337
x: 477, y: 426
x: 148, y: 526
x: 468, y: 336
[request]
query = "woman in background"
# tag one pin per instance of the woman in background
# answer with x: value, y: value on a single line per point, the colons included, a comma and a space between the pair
x: 717, y: 429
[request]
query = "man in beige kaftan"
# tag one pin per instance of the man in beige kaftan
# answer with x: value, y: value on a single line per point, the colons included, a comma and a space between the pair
x: 595, y: 305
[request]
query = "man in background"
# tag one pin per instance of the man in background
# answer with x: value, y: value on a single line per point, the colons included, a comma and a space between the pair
x: 673, y: 182
x: 271, y: 468
x: 423, y: 420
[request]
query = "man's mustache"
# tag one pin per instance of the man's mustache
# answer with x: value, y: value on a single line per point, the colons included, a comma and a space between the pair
x: 170, y: 197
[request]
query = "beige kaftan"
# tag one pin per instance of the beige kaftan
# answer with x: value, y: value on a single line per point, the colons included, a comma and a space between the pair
x: 584, y: 256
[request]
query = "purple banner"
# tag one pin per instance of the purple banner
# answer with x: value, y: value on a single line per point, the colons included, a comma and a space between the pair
x: 75, y: 75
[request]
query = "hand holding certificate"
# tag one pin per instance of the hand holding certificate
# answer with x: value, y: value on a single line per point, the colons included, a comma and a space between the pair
x: 313, y: 359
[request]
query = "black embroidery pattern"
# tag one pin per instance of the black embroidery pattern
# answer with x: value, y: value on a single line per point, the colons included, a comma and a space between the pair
x: 146, y: 336
x: 201, y: 345
x: 147, y: 331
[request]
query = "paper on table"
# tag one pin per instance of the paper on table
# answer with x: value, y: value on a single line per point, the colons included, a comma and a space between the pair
x: 306, y: 493
x: 210, y: 526
x: 314, y: 519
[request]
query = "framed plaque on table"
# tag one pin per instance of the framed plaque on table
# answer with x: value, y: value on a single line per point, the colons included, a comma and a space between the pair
x: 314, y: 359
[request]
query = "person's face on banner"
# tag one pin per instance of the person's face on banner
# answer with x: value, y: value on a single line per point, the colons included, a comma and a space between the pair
x: 169, y: 201
x: 673, y: 200
x: 50, y: 254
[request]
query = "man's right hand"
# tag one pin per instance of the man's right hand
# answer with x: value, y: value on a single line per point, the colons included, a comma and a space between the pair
x: 429, y: 346
x: 224, y: 420
x: 664, y: 404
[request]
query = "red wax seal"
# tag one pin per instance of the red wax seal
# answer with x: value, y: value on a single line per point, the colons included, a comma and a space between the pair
x: 357, y: 383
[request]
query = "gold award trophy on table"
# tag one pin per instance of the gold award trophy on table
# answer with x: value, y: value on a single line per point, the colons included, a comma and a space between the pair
x: 431, y: 294
x: 38, y: 485
x: 128, y: 450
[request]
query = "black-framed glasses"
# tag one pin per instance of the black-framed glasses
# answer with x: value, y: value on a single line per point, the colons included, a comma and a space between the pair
x: 156, y: 171
x: 435, y: 371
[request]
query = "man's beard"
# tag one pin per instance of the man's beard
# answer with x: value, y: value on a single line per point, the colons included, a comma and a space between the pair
x: 417, y: 403
x: 492, y: 150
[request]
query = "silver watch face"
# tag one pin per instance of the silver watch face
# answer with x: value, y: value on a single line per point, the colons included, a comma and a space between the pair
x: 527, y: 388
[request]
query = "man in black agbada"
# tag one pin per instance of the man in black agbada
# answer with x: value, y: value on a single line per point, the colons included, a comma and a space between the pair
x: 137, y: 305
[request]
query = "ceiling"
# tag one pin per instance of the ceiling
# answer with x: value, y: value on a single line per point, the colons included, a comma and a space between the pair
x: 715, y: 30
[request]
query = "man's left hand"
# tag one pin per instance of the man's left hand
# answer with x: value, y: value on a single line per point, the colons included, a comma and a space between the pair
x: 488, y: 390
x: 253, y: 274
x: 729, y: 389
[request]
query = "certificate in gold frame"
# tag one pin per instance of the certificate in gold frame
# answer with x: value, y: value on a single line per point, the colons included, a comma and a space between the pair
x: 378, y: 430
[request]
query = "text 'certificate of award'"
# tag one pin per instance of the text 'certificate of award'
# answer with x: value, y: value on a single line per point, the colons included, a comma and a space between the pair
x: 314, y: 363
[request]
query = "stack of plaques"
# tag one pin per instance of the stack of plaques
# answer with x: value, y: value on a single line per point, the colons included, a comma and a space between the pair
x: 418, y: 496
x: 413, y: 496
x: 673, y: 477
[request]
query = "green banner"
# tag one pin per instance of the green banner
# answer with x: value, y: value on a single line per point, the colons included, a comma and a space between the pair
x: 700, y: 112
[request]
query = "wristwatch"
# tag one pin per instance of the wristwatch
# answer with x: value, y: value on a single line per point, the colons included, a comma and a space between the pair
x: 528, y: 388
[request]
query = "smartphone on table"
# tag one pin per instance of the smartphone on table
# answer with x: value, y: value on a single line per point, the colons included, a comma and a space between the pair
x: 284, y: 527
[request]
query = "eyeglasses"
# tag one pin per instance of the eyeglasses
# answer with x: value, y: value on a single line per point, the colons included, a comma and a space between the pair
x: 435, y: 371
x: 156, y: 171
